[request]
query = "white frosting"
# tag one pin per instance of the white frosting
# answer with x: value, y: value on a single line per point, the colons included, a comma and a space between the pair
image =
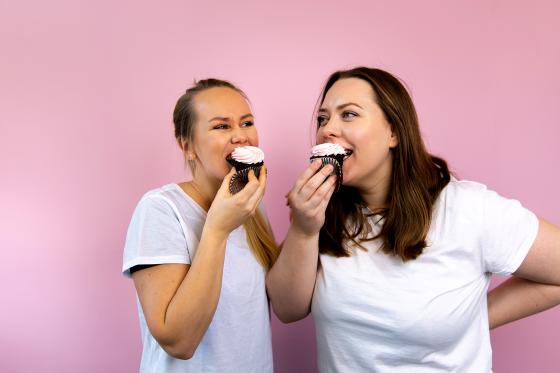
x: 327, y: 148
x: 248, y: 154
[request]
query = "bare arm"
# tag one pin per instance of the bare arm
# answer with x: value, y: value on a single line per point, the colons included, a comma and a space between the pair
x: 536, y: 285
x: 291, y: 280
x: 179, y: 300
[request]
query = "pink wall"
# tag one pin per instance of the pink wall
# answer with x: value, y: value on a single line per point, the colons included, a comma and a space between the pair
x: 86, y: 94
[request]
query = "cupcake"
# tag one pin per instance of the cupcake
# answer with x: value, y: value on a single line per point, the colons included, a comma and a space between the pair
x: 333, y: 154
x: 244, y: 159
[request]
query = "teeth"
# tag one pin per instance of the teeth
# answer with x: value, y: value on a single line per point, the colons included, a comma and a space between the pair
x: 348, y: 153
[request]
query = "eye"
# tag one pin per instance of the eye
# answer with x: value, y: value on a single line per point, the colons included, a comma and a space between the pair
x: 248, y: 123
x: 221, y: 126
x: 348, y: 114
x: 322, y: 120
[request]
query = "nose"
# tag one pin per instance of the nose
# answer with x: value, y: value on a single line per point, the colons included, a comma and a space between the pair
x: 238, y: 136
x: 331, y: 129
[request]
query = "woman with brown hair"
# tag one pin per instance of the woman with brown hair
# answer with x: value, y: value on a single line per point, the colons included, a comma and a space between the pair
x: 395, y: 266
x: 198, y: 254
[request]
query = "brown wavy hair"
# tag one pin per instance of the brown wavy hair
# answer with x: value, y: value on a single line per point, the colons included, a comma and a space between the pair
x: 416, y: 181
x: 259, y: 235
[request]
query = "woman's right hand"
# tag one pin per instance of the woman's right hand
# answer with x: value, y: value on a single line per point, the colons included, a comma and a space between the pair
x: 228, y: 211
x: 309, y: 198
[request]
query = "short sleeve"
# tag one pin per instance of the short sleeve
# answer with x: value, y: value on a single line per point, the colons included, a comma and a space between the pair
x: 508, y: 232
x: 155, y: 235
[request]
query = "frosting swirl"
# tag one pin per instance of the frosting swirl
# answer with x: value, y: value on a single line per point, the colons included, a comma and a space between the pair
x: 248, y: 154
x: 327, y: 148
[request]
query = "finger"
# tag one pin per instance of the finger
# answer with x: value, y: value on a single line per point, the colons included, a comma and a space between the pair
x: 325, y: 201
x: 259, y: 193
x: 308, y: 190
x: 322, y: 193
x: 315, y: 182
x: 263, y: 175
x: 257, y: 197
x: 249, y: 188
x: 307, y: 174
x: 322, y: 206
x: 251, y: 175
x: 224, y: 188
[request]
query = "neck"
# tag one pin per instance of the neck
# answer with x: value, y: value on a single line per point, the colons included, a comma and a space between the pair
x: 204, y: 191
x: 375, y: 193
x: 376, y: 196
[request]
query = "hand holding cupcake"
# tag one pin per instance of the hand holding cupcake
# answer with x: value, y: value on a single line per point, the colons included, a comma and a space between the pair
x: 244, y: 159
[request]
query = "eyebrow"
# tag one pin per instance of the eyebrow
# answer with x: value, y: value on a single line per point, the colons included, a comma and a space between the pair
x: 226, y: 119
x: 340, y: 107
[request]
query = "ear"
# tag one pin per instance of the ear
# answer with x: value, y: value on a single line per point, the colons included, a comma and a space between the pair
x: 180, y: 142
x: 394, y: 140
x: 184, y: 145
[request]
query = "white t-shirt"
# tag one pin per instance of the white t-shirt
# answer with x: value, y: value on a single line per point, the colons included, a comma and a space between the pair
x: 375, y: 313
x: 166, y: 228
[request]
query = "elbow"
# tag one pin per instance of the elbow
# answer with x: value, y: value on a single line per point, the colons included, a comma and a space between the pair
x: 288, y: 319
x: 182, y: 355
x: 178, y: 351
x: 177, y: 346
x: 289, y: 316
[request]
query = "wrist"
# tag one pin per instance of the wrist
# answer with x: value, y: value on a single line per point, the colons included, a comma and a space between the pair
x: 302, y: 234
x: 214, y: 232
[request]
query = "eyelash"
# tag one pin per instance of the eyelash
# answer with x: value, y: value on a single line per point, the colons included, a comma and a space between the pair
x: 346, y: 115
x: 227, y: 126
x: 322, y: 120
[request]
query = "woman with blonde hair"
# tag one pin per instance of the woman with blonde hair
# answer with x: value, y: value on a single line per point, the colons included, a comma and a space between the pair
x: 198, y: 254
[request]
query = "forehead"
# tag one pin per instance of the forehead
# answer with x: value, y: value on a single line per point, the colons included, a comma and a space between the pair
x: 220, y: 102
x: 349, y: 90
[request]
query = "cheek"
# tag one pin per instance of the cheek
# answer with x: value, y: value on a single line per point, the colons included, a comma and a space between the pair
x: 253, y: 137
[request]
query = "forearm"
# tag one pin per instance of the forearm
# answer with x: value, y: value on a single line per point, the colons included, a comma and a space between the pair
x: 517, y: 298
x: 291, y: 281
x: 192, y: 308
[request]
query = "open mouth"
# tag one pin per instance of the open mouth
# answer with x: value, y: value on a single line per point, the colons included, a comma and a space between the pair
x: 348, y: 153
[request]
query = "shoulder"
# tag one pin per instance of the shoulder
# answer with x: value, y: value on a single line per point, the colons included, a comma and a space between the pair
x: 462, y: 199
x: 159, y: 201
x: 466, y: 187
x: 464, y: 192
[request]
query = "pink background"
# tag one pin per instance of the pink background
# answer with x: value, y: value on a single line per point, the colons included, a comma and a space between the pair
x: 86, y: 95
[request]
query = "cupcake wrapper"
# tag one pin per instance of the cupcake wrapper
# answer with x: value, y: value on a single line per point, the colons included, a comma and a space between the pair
x: 241, y: 178
x: 337, y: 168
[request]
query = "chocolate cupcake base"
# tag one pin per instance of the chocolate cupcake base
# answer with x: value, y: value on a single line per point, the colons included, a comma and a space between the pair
x: 241, y: 178
x: 336, y: 161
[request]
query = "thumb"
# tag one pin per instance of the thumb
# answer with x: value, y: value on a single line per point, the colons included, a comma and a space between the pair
x: 224, y: 188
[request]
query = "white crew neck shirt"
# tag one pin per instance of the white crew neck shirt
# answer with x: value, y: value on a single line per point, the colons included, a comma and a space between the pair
x: 166, y: 228
x: 375, y: 313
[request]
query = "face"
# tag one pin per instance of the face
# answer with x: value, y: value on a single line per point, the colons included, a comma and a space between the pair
x: 349, y: 116
x: 224, y: 122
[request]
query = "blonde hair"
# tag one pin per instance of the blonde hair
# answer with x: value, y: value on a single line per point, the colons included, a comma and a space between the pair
x: 259, y: 236
x: 261, y: 240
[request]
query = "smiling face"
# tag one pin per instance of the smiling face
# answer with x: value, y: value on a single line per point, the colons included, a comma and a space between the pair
x: 350, y: 116
x: 223, y: 122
